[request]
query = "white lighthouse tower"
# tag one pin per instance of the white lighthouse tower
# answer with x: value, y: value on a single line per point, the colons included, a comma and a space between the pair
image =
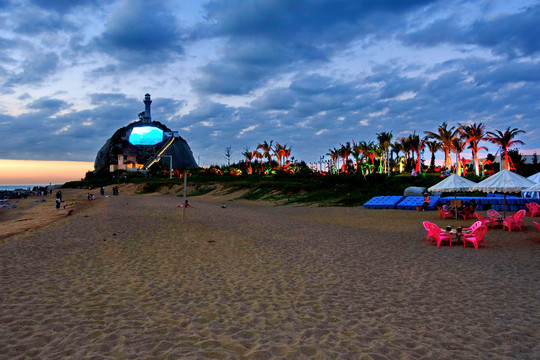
x: 147, y: 115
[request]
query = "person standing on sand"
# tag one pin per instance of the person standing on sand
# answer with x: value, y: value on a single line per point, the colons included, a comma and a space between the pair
x: 59, y: 195
x: 426, y: 202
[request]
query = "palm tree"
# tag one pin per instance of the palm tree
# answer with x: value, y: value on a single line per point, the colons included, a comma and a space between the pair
x: 278, y: 151
x: 334, y: 154
x: 444, y: 136
x: 416, y: 145
x: 458, y: 145
x: 372, y: 152
x: 397, y: 147
x: 344, y: 152
x: 267, y: 150
x: 474, y: 134
x: 259, y: 156
x: 357, y: 153
x: 433, y: 147
x: 286, y: 153
x: 248, y: 156
x: 385, y: 139
x: 405, y: 149
x: 504, y: 140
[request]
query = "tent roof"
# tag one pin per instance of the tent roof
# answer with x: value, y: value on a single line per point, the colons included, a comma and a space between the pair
x: 533, y: 191
x: 504, y: 181
x: 535, y: 177
x: 453, y: 183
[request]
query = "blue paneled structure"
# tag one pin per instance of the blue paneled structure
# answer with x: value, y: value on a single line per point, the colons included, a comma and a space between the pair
x: 146, y: 135
x: 383, y: 202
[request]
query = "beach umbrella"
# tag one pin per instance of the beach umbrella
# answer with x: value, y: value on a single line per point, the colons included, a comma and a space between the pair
x: 504, y: 181
x: 532, y: 192
x: 453, y: 183
x: 535, y: 177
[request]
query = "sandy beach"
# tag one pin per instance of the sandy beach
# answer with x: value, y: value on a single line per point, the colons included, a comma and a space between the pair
x: 125, y: 278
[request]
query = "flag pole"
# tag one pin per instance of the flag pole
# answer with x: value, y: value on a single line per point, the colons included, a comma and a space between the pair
x: 185, y: 194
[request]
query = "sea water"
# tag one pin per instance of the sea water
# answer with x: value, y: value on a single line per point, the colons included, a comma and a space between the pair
x: 14, y: 187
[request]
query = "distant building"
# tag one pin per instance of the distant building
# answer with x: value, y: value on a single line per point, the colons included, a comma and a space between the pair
x: 126, y: 162
x: 143, y: 143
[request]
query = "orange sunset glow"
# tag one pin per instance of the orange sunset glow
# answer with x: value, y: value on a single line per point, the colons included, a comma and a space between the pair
x: 31, y: 172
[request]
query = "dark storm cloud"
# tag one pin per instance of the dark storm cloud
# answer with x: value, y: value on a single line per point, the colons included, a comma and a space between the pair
x: 37, y: 22
x: 76, y: 135
x: 111, y: 99
x: 141, y: 32
x: 63, y: 6
x: 267, y: 38
x: 34, y: 70
x: 247, y: 64
x: 275, y: 99
x: 7, y: 46
x: 293, y: 58
x: 332, y: 111
x: 509, y: 72
x: 299, y: 20
x: 48, y: 105
x: 511, y: 34
x: 393, y: 81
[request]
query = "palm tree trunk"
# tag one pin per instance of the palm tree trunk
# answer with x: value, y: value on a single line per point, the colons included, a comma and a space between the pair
x: 476, y: 165
x: 447, y: 159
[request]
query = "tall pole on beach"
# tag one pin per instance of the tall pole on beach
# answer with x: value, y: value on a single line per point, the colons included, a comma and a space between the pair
x: 185, y: 194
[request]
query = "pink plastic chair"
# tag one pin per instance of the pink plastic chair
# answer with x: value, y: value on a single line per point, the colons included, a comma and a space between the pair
x: 520, y: 215
x: 472, y: 228
x: 466, y: 213
x: 445, y: 214
x: 538, y: 227
x: 514, y: 221
x: 476, y: 236
x: 428, y: 228
x: 534, y: 208
x: 484, y: 221
x: 439, y: 235
x: 493, y: 216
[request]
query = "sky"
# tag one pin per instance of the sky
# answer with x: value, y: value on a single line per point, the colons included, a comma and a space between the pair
x: 311, y: 75
x: 32, y: 172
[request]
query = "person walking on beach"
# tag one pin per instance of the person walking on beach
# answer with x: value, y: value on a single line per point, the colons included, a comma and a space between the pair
x: 426, y: 202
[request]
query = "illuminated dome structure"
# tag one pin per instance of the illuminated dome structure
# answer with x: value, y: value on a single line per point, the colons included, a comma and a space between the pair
x: 142, y: 143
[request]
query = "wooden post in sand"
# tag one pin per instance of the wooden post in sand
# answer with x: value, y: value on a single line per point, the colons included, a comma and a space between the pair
x: 185, y: 194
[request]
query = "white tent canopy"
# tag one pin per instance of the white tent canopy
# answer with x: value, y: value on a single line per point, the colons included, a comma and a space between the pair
x: 532, y: 192
x: 504, y: 181
x: 453, y: 183
x: 535, y: 177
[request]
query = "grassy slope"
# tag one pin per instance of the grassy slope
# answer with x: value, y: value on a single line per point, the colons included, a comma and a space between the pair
x: 337, y: 190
